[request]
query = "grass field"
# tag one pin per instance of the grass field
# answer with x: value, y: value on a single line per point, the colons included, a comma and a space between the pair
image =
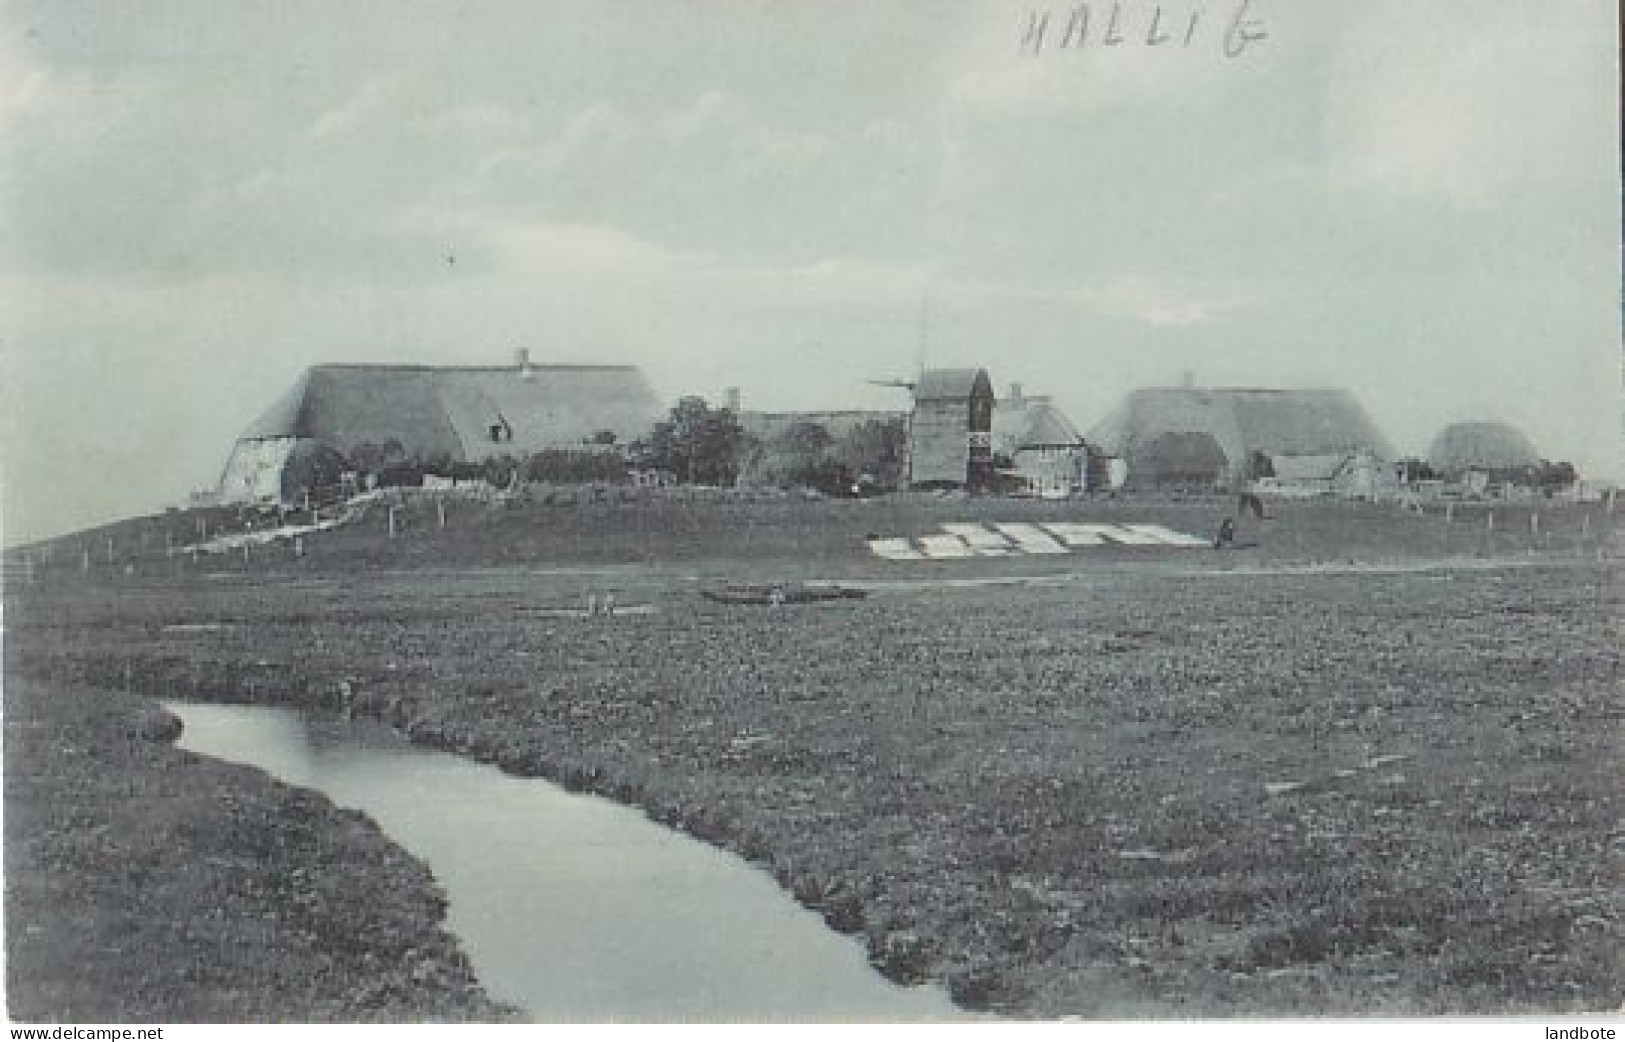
x: 1366, y: 766
x: 723, y: 533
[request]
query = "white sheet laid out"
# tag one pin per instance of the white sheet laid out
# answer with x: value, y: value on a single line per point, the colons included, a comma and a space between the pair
x: 961, y: 540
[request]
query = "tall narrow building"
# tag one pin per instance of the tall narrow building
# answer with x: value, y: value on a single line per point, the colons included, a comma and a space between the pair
x: 951, y: 430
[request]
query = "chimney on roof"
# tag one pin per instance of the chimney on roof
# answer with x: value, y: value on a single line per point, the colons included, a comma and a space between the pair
x: 521, y: 362
x: 1015, y: 394
x: 730, y: 399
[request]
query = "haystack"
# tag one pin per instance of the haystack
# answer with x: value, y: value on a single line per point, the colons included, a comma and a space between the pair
x: 1490, y: 447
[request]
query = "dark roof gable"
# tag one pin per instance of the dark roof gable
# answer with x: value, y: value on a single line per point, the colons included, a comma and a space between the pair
x: 942, y: 384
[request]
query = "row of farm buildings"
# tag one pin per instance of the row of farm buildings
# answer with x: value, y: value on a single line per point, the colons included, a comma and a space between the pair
x: 957, y: 433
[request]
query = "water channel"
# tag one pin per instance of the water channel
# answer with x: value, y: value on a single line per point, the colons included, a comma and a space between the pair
x: 572, y: 907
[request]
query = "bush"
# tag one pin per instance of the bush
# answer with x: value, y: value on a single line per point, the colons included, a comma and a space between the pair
x: 575, y: 467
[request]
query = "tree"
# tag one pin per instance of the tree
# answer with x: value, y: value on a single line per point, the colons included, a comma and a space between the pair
x: 1413, y: 469
x: 699, y: 444
x: 806, y: 441
x: 876, y: 449
x: 498, y: 471
x: 1554, y: 477
x: 575, y: 467
x: 367, y: 457
x: 800, y: 452
x: 438, y: 463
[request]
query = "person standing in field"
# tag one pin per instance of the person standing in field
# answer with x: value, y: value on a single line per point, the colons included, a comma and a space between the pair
x: 1259, y: 466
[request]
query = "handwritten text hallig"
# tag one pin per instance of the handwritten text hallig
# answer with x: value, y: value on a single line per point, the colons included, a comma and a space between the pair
x: 1234, y: 27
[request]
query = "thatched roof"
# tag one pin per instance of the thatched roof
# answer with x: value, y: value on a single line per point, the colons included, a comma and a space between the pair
x: 1030, y: 422
x: 467, y: 413
x: 940, y: 384
x: 1481, y: 446
x: 1242, y: 421
x: 767, y: 426
x: 1177, y: 458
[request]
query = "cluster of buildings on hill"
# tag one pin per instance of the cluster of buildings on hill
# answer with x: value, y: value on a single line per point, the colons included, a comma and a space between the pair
x: 958, y: 433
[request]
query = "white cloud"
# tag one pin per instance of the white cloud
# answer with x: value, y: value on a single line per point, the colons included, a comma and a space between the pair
x: 1470, y: 102
x: 584, y: 251
x: 1160, y: 304
x: 711, y: 172
x: 374, y: 97
x: 23, y: 80
x: 717, y: 135
x: 711, y: 113
x: 403, y: 103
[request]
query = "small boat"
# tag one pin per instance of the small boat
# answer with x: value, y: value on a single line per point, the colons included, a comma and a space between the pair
x: 778, y: 593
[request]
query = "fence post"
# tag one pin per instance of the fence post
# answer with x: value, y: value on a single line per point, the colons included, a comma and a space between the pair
x: 392, y: 522
x: 440, y: 509
x: 299, y: 546
x: 84, y: 562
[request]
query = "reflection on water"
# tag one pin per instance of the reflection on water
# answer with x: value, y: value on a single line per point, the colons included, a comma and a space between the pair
x: 573, y: 907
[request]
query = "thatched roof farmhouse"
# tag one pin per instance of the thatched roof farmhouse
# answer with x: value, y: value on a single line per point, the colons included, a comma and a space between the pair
x: 459, y: 413
x: 1194, y: 435
x: 1044, y: 449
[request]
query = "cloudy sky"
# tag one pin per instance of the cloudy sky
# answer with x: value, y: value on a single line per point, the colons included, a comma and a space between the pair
x: 1415, y: 199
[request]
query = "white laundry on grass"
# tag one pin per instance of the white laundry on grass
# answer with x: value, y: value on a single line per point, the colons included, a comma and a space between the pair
x: 961, y: 540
